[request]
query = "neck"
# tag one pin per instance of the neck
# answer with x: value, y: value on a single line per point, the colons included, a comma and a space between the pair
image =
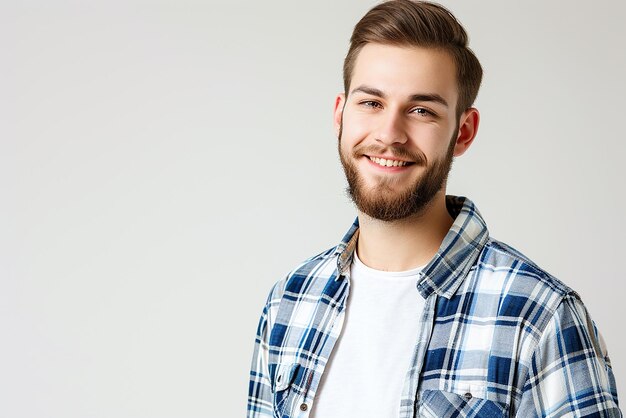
x: 406, y: 243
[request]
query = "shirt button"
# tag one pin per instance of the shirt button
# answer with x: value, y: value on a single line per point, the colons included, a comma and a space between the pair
x: 467, y: 396
x: 304, y: 407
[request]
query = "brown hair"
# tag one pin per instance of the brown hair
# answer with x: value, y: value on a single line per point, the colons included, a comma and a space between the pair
x: 421, y: 24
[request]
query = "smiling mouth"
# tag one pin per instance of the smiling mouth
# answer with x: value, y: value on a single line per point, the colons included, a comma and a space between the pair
x: 383, y: 162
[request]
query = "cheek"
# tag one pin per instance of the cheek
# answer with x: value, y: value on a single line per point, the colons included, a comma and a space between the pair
x: 354, y: 130
x: 431, y: 139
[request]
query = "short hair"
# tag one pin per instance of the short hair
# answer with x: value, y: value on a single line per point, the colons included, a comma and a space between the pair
x: 421, y: 24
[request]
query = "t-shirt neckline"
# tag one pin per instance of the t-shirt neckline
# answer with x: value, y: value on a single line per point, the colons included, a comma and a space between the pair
x: 358, y: 265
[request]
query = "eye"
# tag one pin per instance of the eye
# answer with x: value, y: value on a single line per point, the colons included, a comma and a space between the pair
x: 371, y: 103
x: 422, y: 111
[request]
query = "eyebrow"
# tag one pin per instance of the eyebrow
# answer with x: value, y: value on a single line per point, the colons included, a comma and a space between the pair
x: 419, y: 97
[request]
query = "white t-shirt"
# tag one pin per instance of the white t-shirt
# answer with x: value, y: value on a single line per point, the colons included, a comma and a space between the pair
x: 368, y: 365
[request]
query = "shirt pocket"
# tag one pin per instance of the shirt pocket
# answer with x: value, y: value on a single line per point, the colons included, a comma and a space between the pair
x: 442, y: 404
x: 283, y: 387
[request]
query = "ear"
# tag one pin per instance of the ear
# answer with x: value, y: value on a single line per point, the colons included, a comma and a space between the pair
x: 468, y: 127
x: 340, y: 101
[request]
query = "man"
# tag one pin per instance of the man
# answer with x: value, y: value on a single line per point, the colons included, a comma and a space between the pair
x: 418, y: 311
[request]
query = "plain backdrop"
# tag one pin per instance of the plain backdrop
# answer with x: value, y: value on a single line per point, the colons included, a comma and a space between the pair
x: 163, y: 163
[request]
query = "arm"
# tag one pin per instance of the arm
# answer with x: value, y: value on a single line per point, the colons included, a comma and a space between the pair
x: 570, y: 373
x: 260, y: 397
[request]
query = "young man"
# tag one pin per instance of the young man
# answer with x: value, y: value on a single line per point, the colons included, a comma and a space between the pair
x: 418, y: 312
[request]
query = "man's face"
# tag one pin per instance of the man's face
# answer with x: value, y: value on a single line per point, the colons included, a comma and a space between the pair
x: 397, y: 129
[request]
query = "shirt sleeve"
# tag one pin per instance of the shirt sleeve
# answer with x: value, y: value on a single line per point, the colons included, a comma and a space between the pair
x: 570, y: 373
x: 260, y: 396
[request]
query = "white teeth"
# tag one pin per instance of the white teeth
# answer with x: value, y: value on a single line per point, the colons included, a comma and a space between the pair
x: 388, y: 163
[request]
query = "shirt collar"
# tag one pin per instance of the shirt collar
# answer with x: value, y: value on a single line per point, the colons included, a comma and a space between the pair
x: 457, y: 254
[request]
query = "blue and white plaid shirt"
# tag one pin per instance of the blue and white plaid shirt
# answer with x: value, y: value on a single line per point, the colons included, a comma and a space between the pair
x: 499, y: 337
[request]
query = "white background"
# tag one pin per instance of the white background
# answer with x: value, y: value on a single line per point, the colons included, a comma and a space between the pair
x: 163, y: 163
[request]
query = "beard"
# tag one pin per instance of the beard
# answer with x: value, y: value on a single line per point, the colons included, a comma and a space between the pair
x: 382, y: 201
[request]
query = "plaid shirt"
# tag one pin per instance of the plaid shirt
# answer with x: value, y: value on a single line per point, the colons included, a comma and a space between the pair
x: 499, y: 337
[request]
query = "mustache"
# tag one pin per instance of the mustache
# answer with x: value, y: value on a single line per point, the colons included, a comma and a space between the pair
x: 400, y: 153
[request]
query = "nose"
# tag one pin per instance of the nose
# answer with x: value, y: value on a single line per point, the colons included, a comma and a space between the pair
x: 391, y: 129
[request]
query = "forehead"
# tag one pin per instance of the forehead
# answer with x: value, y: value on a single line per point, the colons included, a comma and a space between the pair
x: 403, y: 71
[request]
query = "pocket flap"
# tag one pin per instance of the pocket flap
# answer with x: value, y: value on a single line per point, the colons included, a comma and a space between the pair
x: 285, y: 374
x: 442, y: 404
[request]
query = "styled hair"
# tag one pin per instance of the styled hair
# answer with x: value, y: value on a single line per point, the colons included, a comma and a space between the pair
x: 421, y: 24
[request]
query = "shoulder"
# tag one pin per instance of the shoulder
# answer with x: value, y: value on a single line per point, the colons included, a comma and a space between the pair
x: 309, y: 290
x: 498, y: 256
x: 525, y: 290
x: 301, y: 278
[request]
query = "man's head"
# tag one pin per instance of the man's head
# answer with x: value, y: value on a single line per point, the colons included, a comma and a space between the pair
x: 410, y: 81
